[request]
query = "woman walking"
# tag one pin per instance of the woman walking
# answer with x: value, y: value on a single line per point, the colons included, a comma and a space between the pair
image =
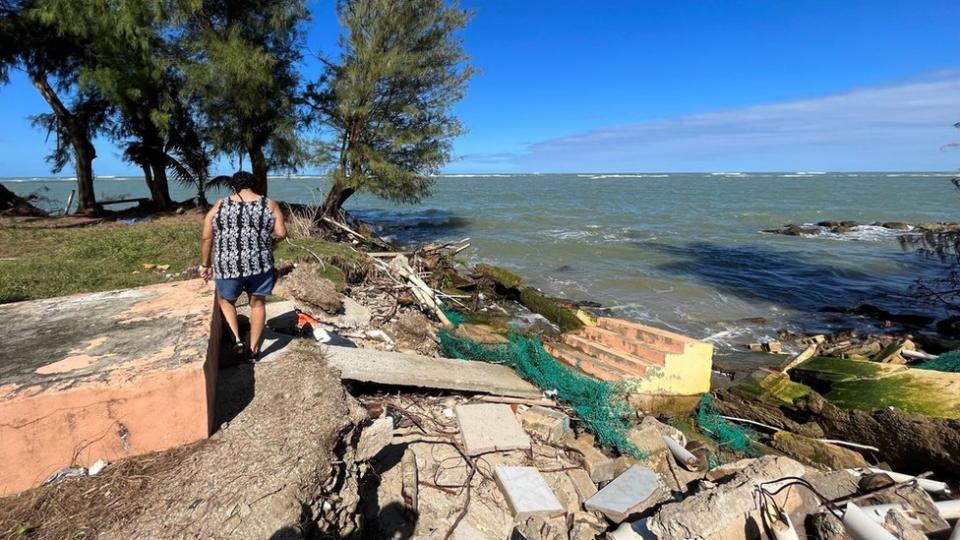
x: 238, y: 233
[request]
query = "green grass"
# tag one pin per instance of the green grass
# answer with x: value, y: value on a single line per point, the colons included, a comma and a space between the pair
x: 42, y: 263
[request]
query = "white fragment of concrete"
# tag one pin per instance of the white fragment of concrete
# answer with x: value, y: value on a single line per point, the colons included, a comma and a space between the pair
x: 374, y: 438
x: 490, y: 427
x: 626, y: 494
x: 527, y: 493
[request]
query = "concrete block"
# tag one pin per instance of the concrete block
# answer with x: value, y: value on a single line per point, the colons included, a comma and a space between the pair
x: 600, y: 467
x: 527, y: 493
x: 547, y: 425
x: 489, y: 427
x: 374, y: 438
x: 582, y: 483
x: 104, y: 376
x: 586, y: 526
x: 627, y: 494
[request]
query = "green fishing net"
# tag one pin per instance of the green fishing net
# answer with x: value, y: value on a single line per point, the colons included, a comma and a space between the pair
x: 949, y: 362
x: 723, y: 432
x: 600, y: 405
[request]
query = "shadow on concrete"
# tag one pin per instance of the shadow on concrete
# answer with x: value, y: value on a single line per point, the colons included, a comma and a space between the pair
x: 390, y: 520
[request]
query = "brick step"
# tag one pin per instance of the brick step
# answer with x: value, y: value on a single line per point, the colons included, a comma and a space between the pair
x: 590, y: 366
x: 606, y: 355
x: 621, y: 343
x: 662, y: 340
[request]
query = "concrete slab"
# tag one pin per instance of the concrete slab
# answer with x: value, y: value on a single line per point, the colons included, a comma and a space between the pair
x: 527, y: 493
x: 104, y: 375
x: 399, y: 369
x: 489, y: 427
x: 626, y: 494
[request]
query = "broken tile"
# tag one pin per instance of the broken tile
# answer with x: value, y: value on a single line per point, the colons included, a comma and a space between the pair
x: 545, y: 424
x: 626, y: 494
x: 527, y: 493
x: 489, y: 427
x: 600, y: 466
x: 374, y: 438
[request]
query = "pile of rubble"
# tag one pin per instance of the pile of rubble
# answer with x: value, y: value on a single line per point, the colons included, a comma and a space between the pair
x: 438, y: 460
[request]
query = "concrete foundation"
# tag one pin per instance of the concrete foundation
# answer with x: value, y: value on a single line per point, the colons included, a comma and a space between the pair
x: 104, y: 375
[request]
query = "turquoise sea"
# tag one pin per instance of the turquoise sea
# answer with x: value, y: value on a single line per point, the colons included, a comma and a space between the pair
x: 683, y: 251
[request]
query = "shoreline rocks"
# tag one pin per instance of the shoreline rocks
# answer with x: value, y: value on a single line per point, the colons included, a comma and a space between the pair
x: 847, y: 227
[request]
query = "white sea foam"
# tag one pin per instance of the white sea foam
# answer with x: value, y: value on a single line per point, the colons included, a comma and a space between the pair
x: 862, y: 233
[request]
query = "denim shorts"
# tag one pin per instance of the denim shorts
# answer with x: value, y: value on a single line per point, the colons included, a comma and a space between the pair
x: 258, y: 285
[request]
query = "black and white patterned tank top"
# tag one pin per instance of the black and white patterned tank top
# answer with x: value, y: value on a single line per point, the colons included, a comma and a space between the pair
x: 242, y: 239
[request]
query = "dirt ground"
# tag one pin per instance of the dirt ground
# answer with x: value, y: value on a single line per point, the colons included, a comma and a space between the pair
x: 258, y: 476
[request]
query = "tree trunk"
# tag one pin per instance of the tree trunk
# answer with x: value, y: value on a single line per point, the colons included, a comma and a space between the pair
x: 331, y: 206
x: 12, y: 204
x: 83, y: 151
x: 258, y: 162
x: 159, y: 189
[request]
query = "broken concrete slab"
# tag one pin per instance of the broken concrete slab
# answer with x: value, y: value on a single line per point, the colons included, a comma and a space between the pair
x: 260, y: 475
x: 490, y: 427
x: 630, y: 493
x: 547, y: 425
x: 869, y: 386
x: 527, y: 493
x: 601, y: 467
x: 730, y: 509
x: 399, y: 369
x: 104, y: 375
x: 374, y: 438
x: 817, y: 452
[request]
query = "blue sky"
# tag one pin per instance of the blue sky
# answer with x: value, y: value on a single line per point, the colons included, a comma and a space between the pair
x: 684, y: 85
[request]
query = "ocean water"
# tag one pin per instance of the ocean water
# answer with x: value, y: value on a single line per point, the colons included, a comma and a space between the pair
x: 683, y: 251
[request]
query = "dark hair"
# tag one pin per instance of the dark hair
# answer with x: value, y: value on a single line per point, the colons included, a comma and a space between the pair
x: 241, y: 180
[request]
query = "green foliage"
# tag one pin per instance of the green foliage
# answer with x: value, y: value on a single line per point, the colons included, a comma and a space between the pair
x: 388, y: 100
x: 600, y: 405
x: 241, y: 64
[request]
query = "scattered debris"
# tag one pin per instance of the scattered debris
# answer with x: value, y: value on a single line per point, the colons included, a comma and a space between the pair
x: 374, y: 438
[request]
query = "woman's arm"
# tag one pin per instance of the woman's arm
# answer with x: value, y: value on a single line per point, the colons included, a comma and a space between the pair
x: 279, y: 227
x: 206, y: 243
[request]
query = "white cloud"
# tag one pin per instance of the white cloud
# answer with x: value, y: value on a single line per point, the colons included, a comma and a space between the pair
x: 901, y: 127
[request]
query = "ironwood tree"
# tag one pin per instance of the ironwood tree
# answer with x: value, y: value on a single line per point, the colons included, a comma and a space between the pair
x: 242, y: 69
x: 386, y: 105
x: 30, y: 41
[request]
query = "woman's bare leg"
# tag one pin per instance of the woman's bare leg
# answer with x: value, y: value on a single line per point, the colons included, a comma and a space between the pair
x: 258, y: 319
x: 229, y: 310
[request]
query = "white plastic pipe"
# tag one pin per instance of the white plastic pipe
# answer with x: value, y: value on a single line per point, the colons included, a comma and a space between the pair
x: 955, y: 535
x: 878, y: 512
x: 932, y: 486
x: 784, y: 529
x: 948, y: 509
x: 860, y: 527
x: 682, y: 455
